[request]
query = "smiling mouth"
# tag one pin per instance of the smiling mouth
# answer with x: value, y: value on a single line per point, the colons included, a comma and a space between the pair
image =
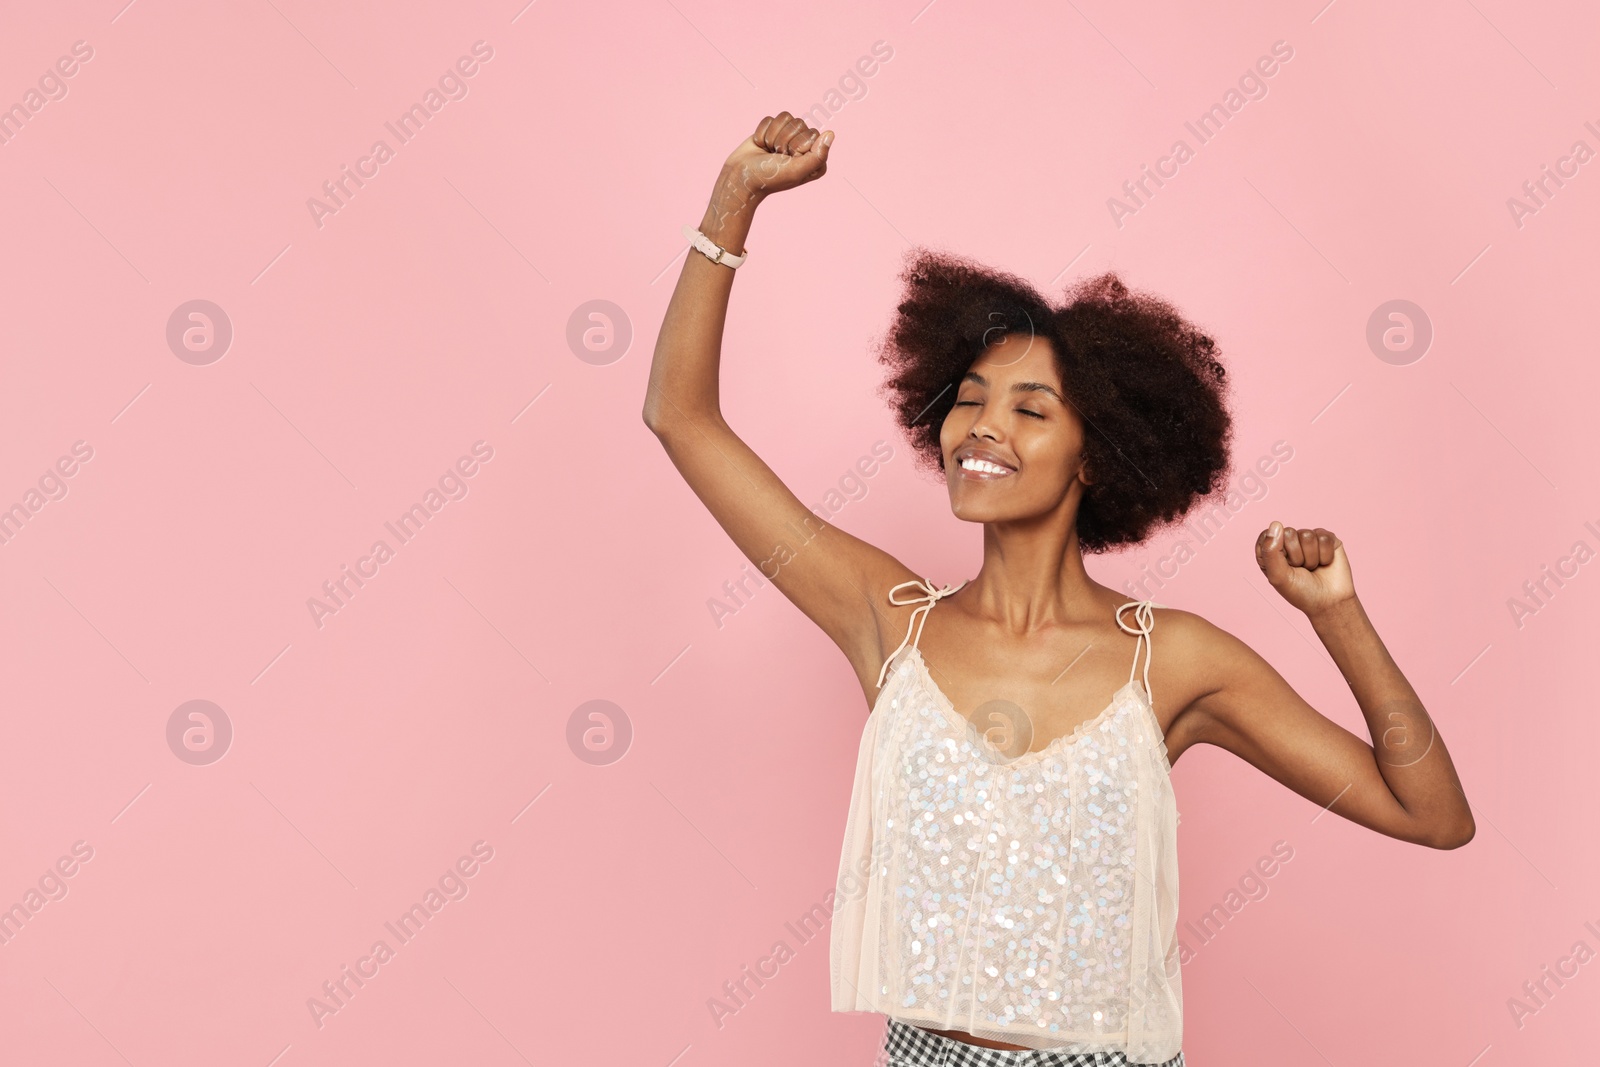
x: 983, y: 470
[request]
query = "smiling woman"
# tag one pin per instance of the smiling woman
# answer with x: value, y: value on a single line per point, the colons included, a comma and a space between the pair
x: 1028, y: 896
x: 1116, y: 385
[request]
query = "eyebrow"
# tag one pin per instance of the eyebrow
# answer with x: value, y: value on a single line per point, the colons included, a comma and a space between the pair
x: 1016, y: 387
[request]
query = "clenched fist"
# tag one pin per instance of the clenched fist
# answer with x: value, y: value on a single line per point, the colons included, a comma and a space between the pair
x: 1308, y: 568
x: 783, y: 152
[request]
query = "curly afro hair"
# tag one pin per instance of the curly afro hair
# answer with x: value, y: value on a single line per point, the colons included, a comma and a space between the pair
x: 1147, y: 384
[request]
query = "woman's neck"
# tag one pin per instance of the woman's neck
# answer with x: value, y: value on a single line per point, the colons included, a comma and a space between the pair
x: 1032, y: 578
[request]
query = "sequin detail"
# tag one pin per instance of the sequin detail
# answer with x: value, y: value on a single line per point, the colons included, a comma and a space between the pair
x: 1031, y: 901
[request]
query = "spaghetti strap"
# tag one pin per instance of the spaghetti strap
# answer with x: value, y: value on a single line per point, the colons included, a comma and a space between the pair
x: 1146, y: 620
x: 931, y: 597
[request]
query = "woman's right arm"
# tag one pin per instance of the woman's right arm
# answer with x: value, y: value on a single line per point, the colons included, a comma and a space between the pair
x: 832, y: 577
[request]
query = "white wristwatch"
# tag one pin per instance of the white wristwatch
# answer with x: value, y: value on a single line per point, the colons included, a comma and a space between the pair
x: 713, y: 251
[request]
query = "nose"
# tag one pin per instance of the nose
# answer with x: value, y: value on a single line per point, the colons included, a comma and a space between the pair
x: 981, y: 428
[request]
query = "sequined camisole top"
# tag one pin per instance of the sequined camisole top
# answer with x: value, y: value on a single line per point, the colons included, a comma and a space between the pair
x: 1031, y: 900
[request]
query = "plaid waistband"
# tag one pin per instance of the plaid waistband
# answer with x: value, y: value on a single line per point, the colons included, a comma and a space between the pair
x: 912, y: 1046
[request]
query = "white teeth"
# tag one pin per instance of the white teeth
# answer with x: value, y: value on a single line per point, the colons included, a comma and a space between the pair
x: 983, y: 465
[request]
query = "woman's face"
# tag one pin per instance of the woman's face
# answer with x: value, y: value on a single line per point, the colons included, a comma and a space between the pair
x: 1013, y: 444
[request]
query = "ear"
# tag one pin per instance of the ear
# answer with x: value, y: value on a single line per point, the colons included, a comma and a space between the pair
x: 1085, y: 475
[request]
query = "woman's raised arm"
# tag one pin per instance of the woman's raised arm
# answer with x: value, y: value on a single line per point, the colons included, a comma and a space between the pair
x: 1403, y: 784
x: 837, y: 580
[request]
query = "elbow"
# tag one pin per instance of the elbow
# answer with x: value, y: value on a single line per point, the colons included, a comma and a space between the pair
x: 1452, y: 837
x: 669, y: 419
x: 654, y: 417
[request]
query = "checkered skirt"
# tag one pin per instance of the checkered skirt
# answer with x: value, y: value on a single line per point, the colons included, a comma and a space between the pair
x: 912, y: 1046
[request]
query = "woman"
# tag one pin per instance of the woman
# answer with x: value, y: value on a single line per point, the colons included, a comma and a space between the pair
x: 1008, y: 883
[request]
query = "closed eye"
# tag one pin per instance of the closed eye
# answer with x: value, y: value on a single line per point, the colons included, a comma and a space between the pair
x: 1024, y: 411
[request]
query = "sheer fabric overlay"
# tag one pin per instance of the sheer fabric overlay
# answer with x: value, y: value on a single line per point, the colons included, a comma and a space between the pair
x: 1030, y: 900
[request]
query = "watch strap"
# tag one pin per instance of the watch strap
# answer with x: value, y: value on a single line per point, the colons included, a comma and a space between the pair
x: 711, y: 250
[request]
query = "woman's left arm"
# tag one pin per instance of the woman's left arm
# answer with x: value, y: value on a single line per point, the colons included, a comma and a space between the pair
x: 1403, y: 784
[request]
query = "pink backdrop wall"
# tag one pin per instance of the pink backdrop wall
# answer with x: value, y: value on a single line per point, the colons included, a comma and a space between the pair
x: 424, y: 333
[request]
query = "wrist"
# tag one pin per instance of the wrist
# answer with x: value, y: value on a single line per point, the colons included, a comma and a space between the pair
x: 1339, y: 613
x: 728, y: 225
x: 734, y: 186
x: 728, y: 217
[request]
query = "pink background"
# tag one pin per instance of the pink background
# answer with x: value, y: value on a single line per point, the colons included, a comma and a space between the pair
x: 434, y: 307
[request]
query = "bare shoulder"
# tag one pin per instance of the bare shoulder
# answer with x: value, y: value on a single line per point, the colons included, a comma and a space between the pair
x: 1192, y: 658
x: 892, y: 621
x: 1187, y: 633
